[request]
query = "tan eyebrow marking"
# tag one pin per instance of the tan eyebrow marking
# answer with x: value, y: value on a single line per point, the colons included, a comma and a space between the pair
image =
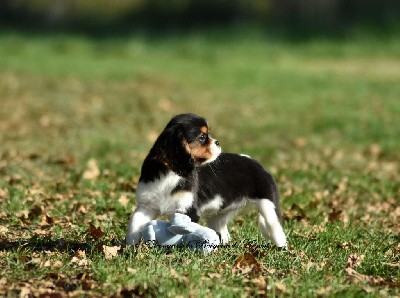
x: 204, y: 129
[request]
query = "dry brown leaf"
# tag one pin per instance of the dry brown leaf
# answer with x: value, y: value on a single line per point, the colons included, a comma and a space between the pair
x: 3, y: 282
x: 110, y: 252
x: 374, y: 150
x: 82, y: 209
x: 65, y: 160
x: 123, y: 200
x: 173, y: 273
x: 214, y: 275
x: 88, y: 283
x: 260, y: 282
x: 35, y: 212
x: 296, y: 212
x: 281, y: 287
x: 355, y: 277
x: 354, y: 261
x: 79, y: 258
x: 41, y: 232
x: 338, y: 215
x: 323, y: 291
x: 95, y: 233
x: 3, y: 193
x: 3, y: 230
x: 300, y: 142
x: 92, y: 171
x: 57, y: 264
x: 181, y: 278
x: 25, y: 292
x: 46, y: 220
x: 246, y: 265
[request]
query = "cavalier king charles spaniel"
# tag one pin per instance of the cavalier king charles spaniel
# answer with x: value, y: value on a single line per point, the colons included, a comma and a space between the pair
x: 186, y: 172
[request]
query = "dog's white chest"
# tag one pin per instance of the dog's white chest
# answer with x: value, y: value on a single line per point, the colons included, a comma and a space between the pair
x: 158, y: 195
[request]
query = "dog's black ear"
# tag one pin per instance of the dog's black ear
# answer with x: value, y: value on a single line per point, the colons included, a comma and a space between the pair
x: 169, y: 148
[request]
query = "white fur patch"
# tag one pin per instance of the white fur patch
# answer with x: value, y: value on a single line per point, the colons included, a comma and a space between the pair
x: 219, y: 223
x: 156, y: 195
x: 269, y: 222
x: 212, y: 207
x: 215, y: 152
x: 154, y: 198
x: 183, y: 200
x: 139, y: 218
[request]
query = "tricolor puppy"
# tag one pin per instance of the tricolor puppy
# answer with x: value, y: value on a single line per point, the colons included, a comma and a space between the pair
x: 186, y: 172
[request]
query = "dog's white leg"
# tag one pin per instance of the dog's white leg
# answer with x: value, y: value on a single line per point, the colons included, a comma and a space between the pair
x: 269, y: 223
x: 263, y: 227
x: 139, y: 218
x: 219, y: 224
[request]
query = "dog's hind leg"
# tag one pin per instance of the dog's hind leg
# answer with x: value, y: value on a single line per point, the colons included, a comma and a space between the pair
x: 269, y: 222
x: 219, y: 224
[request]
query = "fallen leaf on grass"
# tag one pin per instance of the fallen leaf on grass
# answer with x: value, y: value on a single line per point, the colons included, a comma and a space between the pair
x: 281, y: 287
x: 95, y: 233
x: 79, y: 258
x: 296, y: 212
x: 25, y: 292
x: 323, y: 291
x: 110, y: 252
x: 35, y: 212
x: 355, y: 277
x: 246, y: 265
x: 65, y: 160
x: 123, y: 200
x: 375, y: 150
x: 92, y: 171
x: 260, y: 282
x: 354, y: 261
x: 337, y: 215
x: 3, y: 193
x: 300, y: 142
x: 214, y: 275
x: 179, y: 277
x: 46, y: 220
x: 3, y: 286
x: 3, y: 230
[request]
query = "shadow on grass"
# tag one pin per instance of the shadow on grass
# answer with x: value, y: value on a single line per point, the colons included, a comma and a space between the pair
x: 40, y: 244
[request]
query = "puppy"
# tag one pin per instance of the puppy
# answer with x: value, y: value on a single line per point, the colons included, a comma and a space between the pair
x: 186, y: 172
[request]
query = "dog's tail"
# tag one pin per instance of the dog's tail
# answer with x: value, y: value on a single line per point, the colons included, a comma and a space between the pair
x: 270, y: 217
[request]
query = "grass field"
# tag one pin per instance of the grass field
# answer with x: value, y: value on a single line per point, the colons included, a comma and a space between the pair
x: 78, y: 116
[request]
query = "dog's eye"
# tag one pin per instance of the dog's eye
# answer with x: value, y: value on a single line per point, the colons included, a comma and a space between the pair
x: 203, y: 138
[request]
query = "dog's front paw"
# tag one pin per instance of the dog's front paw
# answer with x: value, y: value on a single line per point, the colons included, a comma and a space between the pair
x: 225, y: 237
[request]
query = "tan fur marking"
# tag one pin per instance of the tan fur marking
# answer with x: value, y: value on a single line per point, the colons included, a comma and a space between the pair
x: 197, y: 151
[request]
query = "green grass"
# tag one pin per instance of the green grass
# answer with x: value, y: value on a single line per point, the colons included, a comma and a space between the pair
x: 322, y: 115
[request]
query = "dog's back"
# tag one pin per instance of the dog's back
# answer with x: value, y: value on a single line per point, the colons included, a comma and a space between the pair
x: 236, y: 177
x: 231, y: 181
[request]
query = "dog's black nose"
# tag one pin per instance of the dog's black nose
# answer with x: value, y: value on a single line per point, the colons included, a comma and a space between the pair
x: 217, y: 143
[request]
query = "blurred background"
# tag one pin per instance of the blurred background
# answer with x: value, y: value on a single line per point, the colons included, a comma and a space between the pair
x: 277, y: 78
x: 290, y: 16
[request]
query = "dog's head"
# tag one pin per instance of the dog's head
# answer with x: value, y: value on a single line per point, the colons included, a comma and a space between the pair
x: 185, y: 143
